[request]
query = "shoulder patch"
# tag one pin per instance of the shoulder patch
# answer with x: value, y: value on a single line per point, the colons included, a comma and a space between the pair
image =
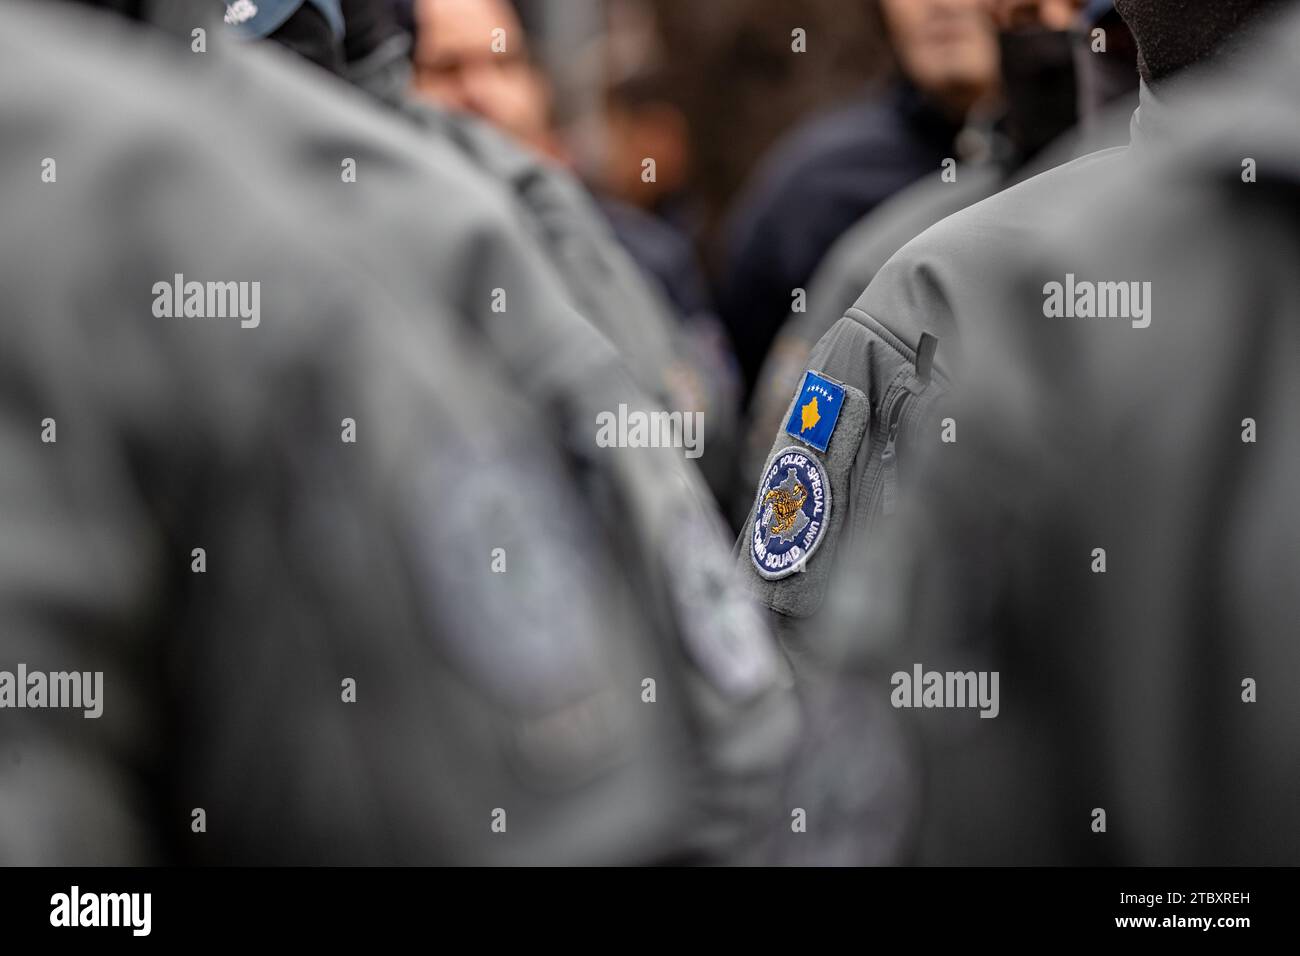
x: 791, y: 513
x: 816, y: 410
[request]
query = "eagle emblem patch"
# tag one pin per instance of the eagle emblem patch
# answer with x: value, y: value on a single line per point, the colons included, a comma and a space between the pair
x: 791, y: 513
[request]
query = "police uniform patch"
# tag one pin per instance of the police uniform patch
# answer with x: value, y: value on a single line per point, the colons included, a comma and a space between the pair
x: 816, y: 410
x: 791, y: 514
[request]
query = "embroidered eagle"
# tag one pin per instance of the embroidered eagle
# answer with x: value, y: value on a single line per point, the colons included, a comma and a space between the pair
x: 782, y: 508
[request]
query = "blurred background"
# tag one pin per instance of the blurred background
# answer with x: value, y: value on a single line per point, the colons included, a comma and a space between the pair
x: 708, y: 93
x: 599, y: 85
x: 732, y: 145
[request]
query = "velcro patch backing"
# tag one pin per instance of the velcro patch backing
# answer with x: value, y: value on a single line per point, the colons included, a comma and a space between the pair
x: 800, y: 594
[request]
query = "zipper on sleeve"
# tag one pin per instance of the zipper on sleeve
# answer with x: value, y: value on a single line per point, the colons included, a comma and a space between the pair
x: 889, y: 457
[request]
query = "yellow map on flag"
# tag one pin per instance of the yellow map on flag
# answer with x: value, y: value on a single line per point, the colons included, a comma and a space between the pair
x: 809, y: 416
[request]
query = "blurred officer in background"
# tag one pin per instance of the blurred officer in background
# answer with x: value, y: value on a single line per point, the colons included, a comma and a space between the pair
x: 1114, y: 532
x: 1052, y: 77
x: 747, y: 72
x: 604, y: 679
x: 872, y: 383
x: 838, y: 166
x: 465, y: 74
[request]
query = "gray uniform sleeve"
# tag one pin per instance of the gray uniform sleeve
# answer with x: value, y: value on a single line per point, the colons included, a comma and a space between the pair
x: 328, y: 561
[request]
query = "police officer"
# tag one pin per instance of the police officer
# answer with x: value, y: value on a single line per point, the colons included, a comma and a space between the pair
x: 875, y: 389
x: 1114, y: 533
x: 560, y: 260
x: 1046, y: 66
x: 873, y: 383
x: 609, y: 680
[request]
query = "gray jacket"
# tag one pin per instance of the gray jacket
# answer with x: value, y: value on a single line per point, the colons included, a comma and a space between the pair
x: 1114, y: 531
x: 326, y: 560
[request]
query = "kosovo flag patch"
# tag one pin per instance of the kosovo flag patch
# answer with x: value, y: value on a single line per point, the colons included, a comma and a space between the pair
x: 816, y: 410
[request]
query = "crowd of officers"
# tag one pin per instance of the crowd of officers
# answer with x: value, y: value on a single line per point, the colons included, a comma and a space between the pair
x: 364, y: 587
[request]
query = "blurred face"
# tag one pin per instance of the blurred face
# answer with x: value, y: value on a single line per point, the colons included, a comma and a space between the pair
x: 947, y: 48
x: 1049, y: 14
x: 464, y: 62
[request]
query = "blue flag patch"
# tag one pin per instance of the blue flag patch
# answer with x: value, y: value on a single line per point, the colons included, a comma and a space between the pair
x: 816, y: 410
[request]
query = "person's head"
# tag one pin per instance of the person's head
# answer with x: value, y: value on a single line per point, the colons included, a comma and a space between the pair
x: 946, y: 48
x: 1174, y: 34
x: 472, y: 56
